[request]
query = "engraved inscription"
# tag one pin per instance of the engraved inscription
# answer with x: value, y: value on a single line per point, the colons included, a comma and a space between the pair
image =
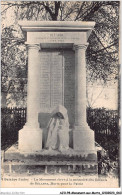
x: 69, y: 84
x: 57, y: 37
x: 51, y: 86
x: 45, y: 79
x: 56, y: 79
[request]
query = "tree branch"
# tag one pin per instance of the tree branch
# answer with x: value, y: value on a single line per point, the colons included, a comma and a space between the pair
x: 71, y: 10
x: 48, y: 9
x: 105, y: 48
x: 80, y: 10
x: 7, y: 8
x: 99, y: 40
x: 90, y: 12
x: 57, y: 7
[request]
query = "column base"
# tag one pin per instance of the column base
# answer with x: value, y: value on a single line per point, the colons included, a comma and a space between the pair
x: 30, y: 139
x: 83, y: 139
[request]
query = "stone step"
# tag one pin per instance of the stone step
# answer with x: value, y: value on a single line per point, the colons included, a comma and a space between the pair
x: 50, y: 169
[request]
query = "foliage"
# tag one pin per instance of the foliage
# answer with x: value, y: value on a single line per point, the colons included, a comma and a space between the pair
x: 102, y: 52
x: 100, y: 119
x: 105, y: 123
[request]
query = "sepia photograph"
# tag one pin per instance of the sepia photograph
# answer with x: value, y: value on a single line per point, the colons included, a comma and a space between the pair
x: 60, y: 94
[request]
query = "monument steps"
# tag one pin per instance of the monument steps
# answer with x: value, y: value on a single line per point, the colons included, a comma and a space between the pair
x: 42, y: 162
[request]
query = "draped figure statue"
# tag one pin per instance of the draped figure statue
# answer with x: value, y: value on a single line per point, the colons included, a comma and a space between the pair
x: 58, y: 130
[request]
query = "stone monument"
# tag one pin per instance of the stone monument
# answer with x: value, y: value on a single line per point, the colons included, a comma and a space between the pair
x: 56, y: 76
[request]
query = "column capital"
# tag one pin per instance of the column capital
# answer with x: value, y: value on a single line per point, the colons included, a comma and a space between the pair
x: 33, y: 46
x: 80, y: 46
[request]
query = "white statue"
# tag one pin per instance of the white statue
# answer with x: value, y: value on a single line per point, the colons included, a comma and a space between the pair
x: 58, y: 130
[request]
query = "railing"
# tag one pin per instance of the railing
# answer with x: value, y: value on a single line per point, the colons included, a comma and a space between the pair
x: 103, y: 122
x: 12, y: 120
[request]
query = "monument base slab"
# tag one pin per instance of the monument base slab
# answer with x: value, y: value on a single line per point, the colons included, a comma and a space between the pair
x: 42, y: 161
x: 30, y: 139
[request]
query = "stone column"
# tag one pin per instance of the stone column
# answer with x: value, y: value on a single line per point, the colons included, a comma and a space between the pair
x: 30, y: 137
x: 80, y: 85
x: 33, y: 86
x: 83, y: 136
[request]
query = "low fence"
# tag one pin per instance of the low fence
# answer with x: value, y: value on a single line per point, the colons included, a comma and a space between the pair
x: 103, y: 122
x: 12, y: 120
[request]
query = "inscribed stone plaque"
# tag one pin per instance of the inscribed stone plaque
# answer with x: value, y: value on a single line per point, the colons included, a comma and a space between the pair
x: 51, y: 73
x: 56, y: 79
x: 69, y: 84
x: 57, y: 37
x: 45, y: 79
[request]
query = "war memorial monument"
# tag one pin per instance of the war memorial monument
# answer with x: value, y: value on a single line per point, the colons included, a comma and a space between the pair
x: 56, y: 132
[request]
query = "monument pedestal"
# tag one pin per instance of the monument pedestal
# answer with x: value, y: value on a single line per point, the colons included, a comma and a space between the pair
x: 30, y: 139
x: 83, y: 138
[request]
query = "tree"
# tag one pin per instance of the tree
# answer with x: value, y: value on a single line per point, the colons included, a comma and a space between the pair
x: 102, y: 52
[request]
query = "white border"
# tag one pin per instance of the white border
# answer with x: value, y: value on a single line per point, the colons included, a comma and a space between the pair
x: 54, y: 191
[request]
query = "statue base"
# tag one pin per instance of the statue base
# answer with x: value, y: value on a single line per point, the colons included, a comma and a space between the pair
x: 83, y: 139
x: 30, y: 139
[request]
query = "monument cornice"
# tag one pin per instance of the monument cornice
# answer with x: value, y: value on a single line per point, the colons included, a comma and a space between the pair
x: 39, y: 26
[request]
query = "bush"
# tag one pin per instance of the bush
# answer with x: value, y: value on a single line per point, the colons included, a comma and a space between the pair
x: 103, y: 121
